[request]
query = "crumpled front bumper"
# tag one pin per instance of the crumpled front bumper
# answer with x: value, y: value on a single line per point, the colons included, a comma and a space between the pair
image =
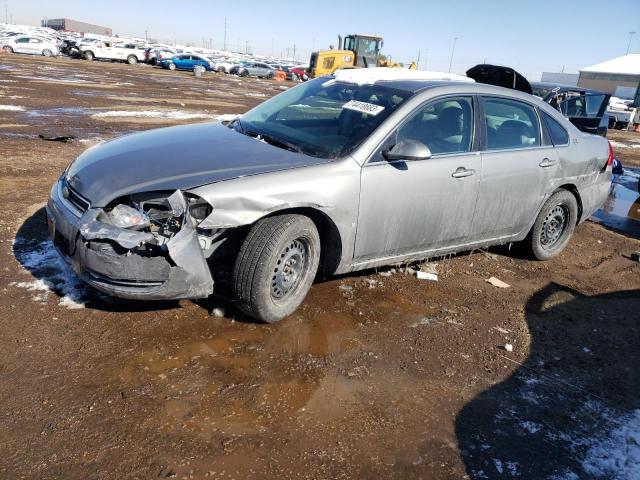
x: 93, y: 249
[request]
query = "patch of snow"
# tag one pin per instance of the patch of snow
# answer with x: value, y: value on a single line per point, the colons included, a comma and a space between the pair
x: 52, y: 274
x: 227, y: 117
x: 255, y: 94
x: 11, y: 108
x: 530, y: 427
x: 368, y: 76
x: 173, y: 114
x: 616, y: 455
x: 618, y: 144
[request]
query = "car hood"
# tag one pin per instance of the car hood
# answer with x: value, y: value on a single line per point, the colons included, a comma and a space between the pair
x: 181, y: 157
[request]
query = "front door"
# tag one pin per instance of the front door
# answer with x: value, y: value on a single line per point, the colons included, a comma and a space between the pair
x: 516, y: 169
x: 416, y: 206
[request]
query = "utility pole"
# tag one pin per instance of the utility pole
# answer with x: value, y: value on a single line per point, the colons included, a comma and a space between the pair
x: 211, y: 43
x: 426, y: 60
x: 246, y: 46
x: 225, y: 35
x: 418, y: 61
x: 631, y: 34
x: 146, y: 36
x: 453, y: 49
x: 294, y: 51
x: 6, y: 12
x: 287, y: 52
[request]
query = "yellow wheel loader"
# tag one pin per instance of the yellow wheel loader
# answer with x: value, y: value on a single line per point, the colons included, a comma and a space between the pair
x: 357, y: 51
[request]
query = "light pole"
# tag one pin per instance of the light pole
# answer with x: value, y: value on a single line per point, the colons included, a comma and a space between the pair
x: 631, y: 34
x: 453, y: 49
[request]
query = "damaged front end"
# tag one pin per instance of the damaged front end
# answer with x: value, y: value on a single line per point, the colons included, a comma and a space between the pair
x: 143, y: 246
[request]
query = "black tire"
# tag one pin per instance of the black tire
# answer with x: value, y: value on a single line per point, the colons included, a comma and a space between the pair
x: 47, y: 53
x: 270, y: 76
x: 88, y: 55
x: 132, y: 59
x: 553, y: 227
x: 244, y: 73
x: 276, y: 266
x: 221, y: 70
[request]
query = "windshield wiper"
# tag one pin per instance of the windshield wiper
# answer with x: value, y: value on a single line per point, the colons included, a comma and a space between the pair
x: 276, y: 142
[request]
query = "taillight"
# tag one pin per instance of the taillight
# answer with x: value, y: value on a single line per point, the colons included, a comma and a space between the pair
x: 610, y: 160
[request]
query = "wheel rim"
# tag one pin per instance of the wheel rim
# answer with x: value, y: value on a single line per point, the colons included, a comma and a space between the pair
x: 290, y: 268
x: 554, y: 226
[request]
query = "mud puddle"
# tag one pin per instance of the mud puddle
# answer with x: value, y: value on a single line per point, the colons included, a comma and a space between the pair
x: 621, y: 210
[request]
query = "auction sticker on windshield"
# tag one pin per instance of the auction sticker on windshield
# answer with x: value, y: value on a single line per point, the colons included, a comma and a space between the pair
x: 363, y: 107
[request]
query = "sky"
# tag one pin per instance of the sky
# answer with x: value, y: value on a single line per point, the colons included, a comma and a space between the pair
x: 530, y: 36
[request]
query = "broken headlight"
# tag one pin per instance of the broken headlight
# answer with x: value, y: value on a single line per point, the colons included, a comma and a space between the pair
x: 124, y: 216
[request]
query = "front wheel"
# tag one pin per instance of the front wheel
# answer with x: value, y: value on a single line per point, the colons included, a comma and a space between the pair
x: 7, y: 49
x: 47, y: 53
x: 276, y: 266
x: 132, y: 59
x: 172, y: 66
x: 553, y: 227
x: 88, y: 55
x: 270, y: 75
x: 244, y: 73
x: 221, y: 70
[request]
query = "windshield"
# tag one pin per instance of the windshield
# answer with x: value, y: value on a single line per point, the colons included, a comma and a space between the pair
x: 322, y: 118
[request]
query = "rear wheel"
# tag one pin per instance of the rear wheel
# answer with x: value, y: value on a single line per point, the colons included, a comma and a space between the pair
x: 553, y: 227
x: 172, y: 66
x: 7, y: 49
x: 88, y: 55
x: 132, y: 59
x: 47, y: 53
x: 276, y: 266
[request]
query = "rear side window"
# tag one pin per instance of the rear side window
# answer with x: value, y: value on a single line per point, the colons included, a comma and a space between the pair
x: 510, y: 124
x: 559, y: 134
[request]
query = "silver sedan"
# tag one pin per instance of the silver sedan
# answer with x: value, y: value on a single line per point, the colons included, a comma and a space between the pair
x: 365, y: 168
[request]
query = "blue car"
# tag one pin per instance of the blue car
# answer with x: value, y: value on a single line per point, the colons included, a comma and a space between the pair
x: 186, y: 61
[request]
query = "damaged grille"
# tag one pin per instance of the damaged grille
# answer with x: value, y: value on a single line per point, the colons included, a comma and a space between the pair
x: 74, y: 198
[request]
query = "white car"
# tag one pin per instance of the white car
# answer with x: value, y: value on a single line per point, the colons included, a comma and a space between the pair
x: 30, y: 44
x: 222, y: 65
x: 129, y: 53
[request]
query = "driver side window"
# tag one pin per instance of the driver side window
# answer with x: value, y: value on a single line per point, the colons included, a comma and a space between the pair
x: 445, y: 126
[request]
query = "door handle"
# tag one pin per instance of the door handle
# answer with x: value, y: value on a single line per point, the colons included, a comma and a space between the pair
x: 462, y: 172
x: 547, y: 163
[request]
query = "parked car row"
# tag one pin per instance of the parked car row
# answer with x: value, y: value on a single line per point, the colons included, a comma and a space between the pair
x: 48, y: 42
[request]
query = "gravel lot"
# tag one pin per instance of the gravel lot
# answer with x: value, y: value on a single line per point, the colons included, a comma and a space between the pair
x: 378, y: 375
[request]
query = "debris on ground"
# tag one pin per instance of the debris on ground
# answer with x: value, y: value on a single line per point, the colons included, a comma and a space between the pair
x: 508, y: 347
x: 504, y: 331
x: 496, y: 282
x: 427, y: 276
x: 423, y: 321
x: 636, y: 256
x: 61, y: 138
x: 218, y: 312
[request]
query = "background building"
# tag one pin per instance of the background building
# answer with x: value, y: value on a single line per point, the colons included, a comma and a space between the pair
x: 620, y: 74
x: 68, y: 25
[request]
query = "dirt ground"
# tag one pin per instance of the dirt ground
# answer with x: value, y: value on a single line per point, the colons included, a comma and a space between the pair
x: 378, y: 375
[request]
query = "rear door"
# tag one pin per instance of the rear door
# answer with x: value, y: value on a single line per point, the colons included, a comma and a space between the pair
x: 517, y: 166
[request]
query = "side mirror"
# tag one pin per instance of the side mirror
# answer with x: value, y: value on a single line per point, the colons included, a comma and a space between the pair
x: 408, y: 150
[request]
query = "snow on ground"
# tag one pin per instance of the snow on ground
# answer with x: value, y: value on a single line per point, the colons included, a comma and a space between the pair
x: 616, y: 454
x: 227, y: 117
x: 52, y: 274
x: 173, y: 114
x: 11, y: 108
x: 624, y: 145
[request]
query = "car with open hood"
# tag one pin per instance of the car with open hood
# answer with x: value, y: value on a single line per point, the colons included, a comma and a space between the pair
x: 361, y: 169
